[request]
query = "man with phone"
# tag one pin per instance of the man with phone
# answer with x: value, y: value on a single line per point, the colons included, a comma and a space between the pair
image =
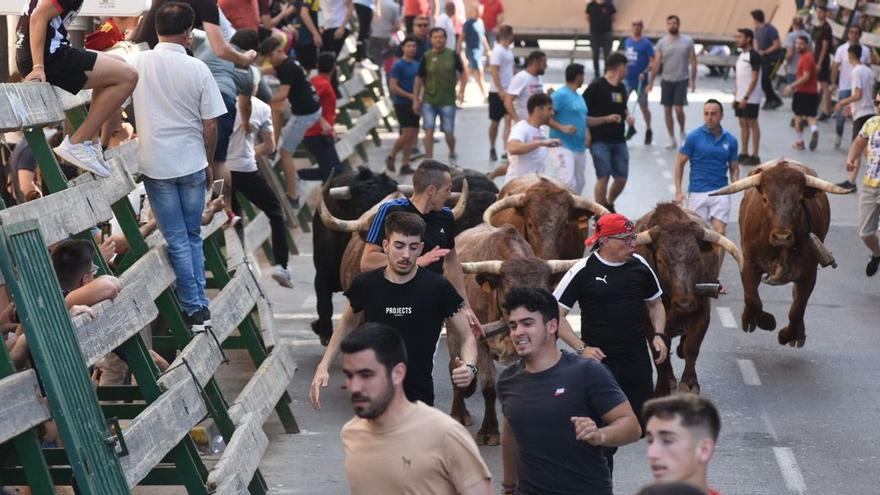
x: 527, y: 146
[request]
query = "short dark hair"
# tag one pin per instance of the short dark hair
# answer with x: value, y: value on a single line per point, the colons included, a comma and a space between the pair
x: 505, y: 31
x: 174, y: 18
x: 713, y: 101
x: 748, y: 33
x: 384, y: 340
x: 757, y: 15
x: 533, y: 299
x: 615, y: 60
x: 437, y: 30
x: 671, y: 488
x: 246, y: 39
x: 694, y: 412
x: 326, y: 62
x: 72, y: 259
x: 404, y: 223
x: 855, y: 50
x: 856, y: 26
x: 804, y: 38
x: 429, y: 173
x: 538, y: 100
x: 268, y: 45
x: 409, y: 39
x: 535, y: 56
x: 572, y: 71
x: 821, y: 7
x: 673, y: 16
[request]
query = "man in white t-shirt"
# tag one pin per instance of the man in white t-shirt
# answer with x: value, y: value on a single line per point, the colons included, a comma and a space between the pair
x: 861, y: 102
x: 841, y: 66
x: 525, y: 84
x: 747, y: 101
x: 527, y: 146
x: 501, y: 73
x: 445, y: 21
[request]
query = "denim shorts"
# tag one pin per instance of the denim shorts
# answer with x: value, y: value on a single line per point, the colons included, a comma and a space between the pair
x: 296, y: 128
x: 447, y: 117
x: 610, y: 159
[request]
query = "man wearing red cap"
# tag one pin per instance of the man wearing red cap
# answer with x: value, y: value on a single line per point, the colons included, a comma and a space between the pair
x: 613, y: 285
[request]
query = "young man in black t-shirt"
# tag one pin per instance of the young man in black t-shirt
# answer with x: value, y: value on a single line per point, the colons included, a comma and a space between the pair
x: 305, y: 107
x: 560, y: 410
x: 613, y: 286
x: 606, y: 114
x: 824, y: 38
x: 413, y: 301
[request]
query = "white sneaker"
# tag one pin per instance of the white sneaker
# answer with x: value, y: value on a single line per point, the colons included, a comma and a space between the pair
x: 282, y: 276
x: 83, y: 156
x: 672, y: 145
x: 99, y: 151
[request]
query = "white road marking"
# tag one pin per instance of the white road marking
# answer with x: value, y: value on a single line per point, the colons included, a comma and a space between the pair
x: 656, y: 153
x: 670, y: 188
x: 791, y: 473
x: 309, y: 302
x: 661, y: 161
x: 666, y: 174
x: 769, y: 425
x: 749, y: 372
x: 726, y: 316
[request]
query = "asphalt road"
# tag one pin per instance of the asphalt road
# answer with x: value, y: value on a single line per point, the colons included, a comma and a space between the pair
x: 794, y: 420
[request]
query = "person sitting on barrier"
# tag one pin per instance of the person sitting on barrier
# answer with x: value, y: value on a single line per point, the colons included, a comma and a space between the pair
x: 320, y: 139
x: 44, y: 53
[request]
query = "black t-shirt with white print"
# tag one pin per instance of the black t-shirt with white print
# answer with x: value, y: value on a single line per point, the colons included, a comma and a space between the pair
x: 416, y: 309
x: 56, y: 32
x: 302, y: 96
x: 612, y: 299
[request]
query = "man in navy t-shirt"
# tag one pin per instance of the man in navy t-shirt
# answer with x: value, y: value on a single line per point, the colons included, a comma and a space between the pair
x: 713, y: 153
x: 640, y: 55
x: 401, y: 79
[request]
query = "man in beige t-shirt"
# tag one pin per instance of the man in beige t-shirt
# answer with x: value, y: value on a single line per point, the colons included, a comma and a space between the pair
x: 397, y: 446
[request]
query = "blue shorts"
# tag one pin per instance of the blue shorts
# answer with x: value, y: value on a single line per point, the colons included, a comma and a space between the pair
x: 610, y: 159
x: 475, y: 58
x: 447, y: 117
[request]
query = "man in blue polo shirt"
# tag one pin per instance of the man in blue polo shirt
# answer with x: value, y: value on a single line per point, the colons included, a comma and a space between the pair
x: 712, y: 152
x: 640, y: 57
x: 569, y: 108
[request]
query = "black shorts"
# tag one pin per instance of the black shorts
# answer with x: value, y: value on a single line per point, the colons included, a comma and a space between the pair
x: 673, y: 93
x: 406, y: 117
x: 225, y: 126
x: 496, y: 107
x: 805, y: 104
x: 825, y: 73
x: 750, y: 111
x: 66, y: 68
x: 857, y: 125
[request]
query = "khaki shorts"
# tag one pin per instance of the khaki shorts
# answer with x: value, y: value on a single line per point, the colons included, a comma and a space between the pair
x: 869, y: 210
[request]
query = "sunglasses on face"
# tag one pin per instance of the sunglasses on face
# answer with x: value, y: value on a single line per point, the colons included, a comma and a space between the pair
x: 627, y: 238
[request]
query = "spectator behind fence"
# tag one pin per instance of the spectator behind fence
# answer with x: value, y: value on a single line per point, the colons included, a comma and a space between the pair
x: 365, y: 11
x: 320, y: 139
x: 682, y: 432
x: 310, y: 40
x: 43, y: 52
x: 401, y: 81
x: 176, y: 106
x: 304, y: 107
x: 334, y: 30
x: 386, y: 21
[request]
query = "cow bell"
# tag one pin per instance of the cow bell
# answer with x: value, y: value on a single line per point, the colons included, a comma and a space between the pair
x: 826, y: 257
x: 707, y: 290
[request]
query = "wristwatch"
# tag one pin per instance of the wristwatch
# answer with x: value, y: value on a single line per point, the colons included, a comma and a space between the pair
x: 473, y: 369
x: 580, y: 350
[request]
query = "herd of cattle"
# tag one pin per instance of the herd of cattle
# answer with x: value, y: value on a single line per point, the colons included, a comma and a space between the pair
x: 532, y: 231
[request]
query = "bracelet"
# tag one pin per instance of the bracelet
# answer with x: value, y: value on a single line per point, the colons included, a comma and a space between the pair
x: 581, y: 349
x: 38, y: 65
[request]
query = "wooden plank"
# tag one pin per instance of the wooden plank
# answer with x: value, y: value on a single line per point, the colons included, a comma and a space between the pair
x: 871, y: 9
x: 256, y: 232
x: 161, y: 426
x: 232, y: 486
x: 113, y: 188
x: 116, y: 321
x: 24, y: 105
x: 234, y: 251
x: 153, y: 269
x: 20, y: 404
x: 353, y: 87
x: 265, y: 387
x: 242, y: 455
x: 71, y: 101
x: 267, y: 322
x: 870, y: 39
x: 127, y: 152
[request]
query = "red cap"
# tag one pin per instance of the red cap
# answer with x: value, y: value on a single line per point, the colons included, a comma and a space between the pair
x: 608, y: 225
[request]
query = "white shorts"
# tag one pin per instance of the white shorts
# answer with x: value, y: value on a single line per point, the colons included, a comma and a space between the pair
x: 710, y: 207
x: 571, y: 168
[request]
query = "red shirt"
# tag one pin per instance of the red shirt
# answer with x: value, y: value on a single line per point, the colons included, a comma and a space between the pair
x: 805, y: 64
x: 491, y: 10
x: 242, y: 14
x: 327, y: 97
x: 413, y: 8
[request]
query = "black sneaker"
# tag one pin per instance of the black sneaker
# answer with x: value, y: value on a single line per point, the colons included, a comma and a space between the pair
x: 848, y: 185
x: 196, y: 321
x: 871, y: 269
x: 610, y: 207
x: 504, y: 156
x: 772, y: 104
x: 649, y: 136
x: 754, y: 160
x: 814, y: 140
x: 493, y: 155
x: 630, y: 132
x: 823, y: 117
x: 743, y: 159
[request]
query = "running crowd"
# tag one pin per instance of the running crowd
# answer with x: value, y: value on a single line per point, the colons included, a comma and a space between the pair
x: 203, y: 108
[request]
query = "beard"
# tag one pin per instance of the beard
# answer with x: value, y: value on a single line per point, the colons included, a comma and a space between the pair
x: 402, y: 270
x: 673, y: 30
x: 367, y: 408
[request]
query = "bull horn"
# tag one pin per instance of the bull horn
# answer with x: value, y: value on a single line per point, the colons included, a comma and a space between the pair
x: 750, y: 181
x: 512, y: 201
x: 405, y: 189
x: 644, y: 237
x: 824, y: 185
x: 493, y: 267
x: 359, y: 225
x: 461, y: 204
x: 559, y: 266
x: 710, y: 235
x: 341, y: 192
x: 583, y: 203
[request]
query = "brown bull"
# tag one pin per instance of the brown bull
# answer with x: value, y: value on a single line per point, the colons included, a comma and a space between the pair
x: 546, y: 213
x: 494, y: 261
x: 686, y: 256
x: 783, y: 219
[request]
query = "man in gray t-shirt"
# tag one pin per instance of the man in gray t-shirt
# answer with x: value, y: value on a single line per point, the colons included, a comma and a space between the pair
x: 676, y: 55
x: 791, y: 54
x: 386, y: 20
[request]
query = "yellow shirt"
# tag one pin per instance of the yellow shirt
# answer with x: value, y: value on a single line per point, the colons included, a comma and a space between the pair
x: 871, y: 132
x: 425, y: 453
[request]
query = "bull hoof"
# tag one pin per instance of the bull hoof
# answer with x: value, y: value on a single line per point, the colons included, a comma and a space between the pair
x: 665, y: 387
x: 689, y: 388
x: 489, y: 439
x: 766, y: 321
x: 680, y: 349
x: 463, y: 418
x: 792, y: 337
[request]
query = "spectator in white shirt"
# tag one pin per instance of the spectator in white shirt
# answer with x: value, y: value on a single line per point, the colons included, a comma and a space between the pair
x: 861, y: 103
x: 527, y: 145
x: 445, y: 21
x: 840, y: 66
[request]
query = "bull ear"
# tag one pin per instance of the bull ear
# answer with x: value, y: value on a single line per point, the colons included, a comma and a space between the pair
x: 810, y: 192
x: 488, y: 281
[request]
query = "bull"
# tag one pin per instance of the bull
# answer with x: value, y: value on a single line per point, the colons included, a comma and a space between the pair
x: 686, y: 256
x: 483, y: 192
x: 494, y: 260
x: 548, y: 215
x: 783, y: 219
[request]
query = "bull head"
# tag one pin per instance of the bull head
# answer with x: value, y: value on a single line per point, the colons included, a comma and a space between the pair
x: 519, y: 200
x: 709, y: 235
x: 755, y: 181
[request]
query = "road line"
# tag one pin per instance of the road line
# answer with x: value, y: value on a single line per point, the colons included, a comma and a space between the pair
x: 661, y: 161
x: 726, y: 316
x: 791, y: 473
x: 666, y: 174
x: 749, y: 372
x: 769, y: 425
x: 309, y: 302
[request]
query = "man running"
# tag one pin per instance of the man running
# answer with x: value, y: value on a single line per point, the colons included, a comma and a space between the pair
x: 640, y: 58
